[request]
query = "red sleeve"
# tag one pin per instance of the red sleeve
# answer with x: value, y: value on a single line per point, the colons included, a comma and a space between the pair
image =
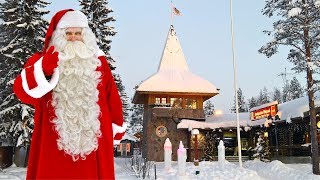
x: 17, y: 86
x: 113, y: 98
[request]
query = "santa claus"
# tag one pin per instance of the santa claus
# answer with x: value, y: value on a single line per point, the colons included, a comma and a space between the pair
x: 78, y: 111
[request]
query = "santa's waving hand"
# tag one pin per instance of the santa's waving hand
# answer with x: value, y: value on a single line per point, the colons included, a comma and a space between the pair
x: 78, y: 110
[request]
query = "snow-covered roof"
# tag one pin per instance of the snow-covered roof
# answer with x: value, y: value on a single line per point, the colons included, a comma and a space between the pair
x: 219, y: 121
x: 287, y: 110
x: 173, y: 73
x: 130, y: 137
x: 296, y: 108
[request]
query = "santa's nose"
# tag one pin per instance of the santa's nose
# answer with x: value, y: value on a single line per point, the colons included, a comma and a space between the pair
x: 73, y: 38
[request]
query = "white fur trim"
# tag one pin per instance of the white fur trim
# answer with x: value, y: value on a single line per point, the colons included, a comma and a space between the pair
x: 116, y: 142
x: 73, y: 19
x: 43, y: 85
x: 100, y: 53
x: 118, y: 129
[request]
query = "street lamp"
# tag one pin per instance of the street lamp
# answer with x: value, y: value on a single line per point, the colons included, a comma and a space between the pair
x: 275, y: 129
x: 195, y: 132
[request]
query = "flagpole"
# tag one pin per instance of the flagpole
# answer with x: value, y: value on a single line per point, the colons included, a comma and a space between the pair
x: 171, y: 14
x: 235, y: 85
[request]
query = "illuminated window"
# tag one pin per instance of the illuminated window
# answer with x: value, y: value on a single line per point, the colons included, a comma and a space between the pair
x: 176, y: 102
x: 191, y: 104
x: 163, y: 100
x: 157, y: 100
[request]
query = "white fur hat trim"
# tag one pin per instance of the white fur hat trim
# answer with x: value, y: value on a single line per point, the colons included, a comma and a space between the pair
x: 73, y: 19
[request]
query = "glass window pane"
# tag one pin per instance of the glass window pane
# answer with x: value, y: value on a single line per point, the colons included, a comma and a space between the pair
x: 176, y: 102
x: 191, y: 104
x: 163, y: 100
x: 157, y: 100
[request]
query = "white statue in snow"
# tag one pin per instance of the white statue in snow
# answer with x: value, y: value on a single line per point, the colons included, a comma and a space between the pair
x: 167, y: 154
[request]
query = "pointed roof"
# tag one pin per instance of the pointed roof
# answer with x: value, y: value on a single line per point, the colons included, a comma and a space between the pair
x: 173, y: 75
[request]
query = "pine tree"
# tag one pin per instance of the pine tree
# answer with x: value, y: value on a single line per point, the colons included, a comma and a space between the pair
x: 124, y: 98
x: 241, y: 103
x: 252, y: 103
x: 276, y: 95
x: 210, y: 147
x: 297, y: 27
x: 261, y: 150
x: 286, y: 95
x: 22, y: 34
x: 99, y: 18
x: 296, y: 90
x: 208, y: 108
x: 136, y: 119
x: 263, y: 97
x: 98, y: 14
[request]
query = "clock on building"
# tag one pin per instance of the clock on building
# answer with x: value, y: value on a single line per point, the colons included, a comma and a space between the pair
x: 161, y: 131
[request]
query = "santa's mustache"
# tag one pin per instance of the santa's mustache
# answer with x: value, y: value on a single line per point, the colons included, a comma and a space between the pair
x: 74, y: 49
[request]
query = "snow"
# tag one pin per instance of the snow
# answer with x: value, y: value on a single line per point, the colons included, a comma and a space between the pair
x: 173, y: 73
x: 24, y: 111
x: 22, y: 25
x: 264, y: 105
x: 294, y: 12
x: 256, y: 169
x: 130, y: 137
x: 317, y: 3
x: 286, y: 111
x: 219, y: 121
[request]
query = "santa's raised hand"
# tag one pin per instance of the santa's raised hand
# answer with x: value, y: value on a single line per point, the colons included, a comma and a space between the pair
x: 50, y: 61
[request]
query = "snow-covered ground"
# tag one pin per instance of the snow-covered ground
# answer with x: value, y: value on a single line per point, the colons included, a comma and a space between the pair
x: 208, y: 170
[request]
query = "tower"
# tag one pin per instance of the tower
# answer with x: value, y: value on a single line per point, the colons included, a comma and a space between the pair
x: 171, y: 94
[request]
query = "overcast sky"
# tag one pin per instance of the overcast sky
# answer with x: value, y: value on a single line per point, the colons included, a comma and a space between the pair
x: 205, y: 37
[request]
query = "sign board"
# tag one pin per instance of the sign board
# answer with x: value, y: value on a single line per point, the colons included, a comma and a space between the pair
x: 264, y: 111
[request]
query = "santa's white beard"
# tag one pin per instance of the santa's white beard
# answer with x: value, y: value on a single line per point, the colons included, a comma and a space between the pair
x: 75, y: 101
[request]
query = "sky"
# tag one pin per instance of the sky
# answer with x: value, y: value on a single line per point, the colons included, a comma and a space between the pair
x: 205, y: 36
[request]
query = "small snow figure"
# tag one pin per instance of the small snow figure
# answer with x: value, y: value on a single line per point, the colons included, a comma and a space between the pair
x: 167, y: 154
x: 262, y: 149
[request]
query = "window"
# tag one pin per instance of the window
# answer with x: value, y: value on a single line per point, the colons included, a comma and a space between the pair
x: 163, y: 100
x: 176, y: 102
x: 157, y: 100
x: 191, y: 104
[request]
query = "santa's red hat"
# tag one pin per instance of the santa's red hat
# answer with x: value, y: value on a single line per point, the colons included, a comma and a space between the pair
x: 64, y: 19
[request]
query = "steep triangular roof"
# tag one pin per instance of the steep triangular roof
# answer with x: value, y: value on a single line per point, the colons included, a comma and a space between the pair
x: 173, y: 75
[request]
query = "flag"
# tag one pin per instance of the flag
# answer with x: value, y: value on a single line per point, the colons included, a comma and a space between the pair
x: 176, y: 11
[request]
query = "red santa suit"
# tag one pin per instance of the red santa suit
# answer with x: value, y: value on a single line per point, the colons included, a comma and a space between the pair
x: 46, y: 159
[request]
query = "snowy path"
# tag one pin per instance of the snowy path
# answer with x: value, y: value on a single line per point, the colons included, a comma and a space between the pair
x: 208, y: 170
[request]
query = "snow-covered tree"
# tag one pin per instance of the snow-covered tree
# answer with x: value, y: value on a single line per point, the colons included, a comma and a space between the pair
x: 276, y: 95
x: 261, y: 150
x: 99, y: 18
x: 22, y: 34
x: 98, y: 14
x: 242, y: 107
x: 263, y: 97
x: 208, y: 108
x: 124, y: 98
x: 209, y: 148
x: 296, y: 91
x: 252, y: 102
x: 136, y: 119
x: 297, y: 27
x: 286, y: 96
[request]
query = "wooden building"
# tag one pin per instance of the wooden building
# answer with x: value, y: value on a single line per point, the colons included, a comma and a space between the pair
x: 288, y: 132
x: 171, y: 94
x: 127, y: 146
